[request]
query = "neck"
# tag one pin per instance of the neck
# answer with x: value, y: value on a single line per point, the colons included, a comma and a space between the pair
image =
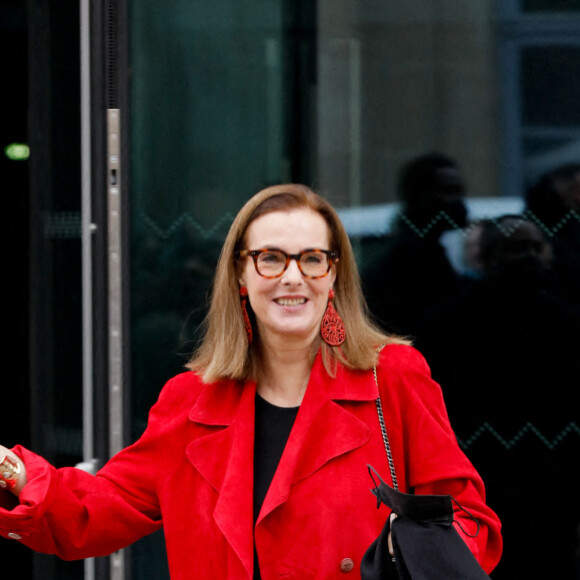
x: 284, y: 374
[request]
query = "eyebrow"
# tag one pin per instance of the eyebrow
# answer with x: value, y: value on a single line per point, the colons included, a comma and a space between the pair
x: 278, y: 249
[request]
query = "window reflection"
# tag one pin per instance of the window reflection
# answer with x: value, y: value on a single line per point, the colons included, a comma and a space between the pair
x: 499, y: 330
x: 411, y: 122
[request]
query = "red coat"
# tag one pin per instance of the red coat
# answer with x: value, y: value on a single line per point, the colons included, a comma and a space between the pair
x: 192, y: 472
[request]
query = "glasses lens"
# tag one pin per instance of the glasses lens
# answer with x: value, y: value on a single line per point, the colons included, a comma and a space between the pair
x: 314, y: 263
x: 271, y: 263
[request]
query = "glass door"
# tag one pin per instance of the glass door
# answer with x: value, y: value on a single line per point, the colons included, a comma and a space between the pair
x: 222, y: 103
x: 227, y: 97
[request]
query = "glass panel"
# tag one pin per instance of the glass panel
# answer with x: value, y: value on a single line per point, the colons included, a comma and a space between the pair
x: 551, y: 5
x: 221, y: 107
x: 216, y: 113
x: 203, y: 137
x: 227, y: 98
x: 398, y: 82
x: 551, y: 85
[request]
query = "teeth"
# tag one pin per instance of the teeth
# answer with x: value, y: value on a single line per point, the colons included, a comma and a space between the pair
x: 290, y: 301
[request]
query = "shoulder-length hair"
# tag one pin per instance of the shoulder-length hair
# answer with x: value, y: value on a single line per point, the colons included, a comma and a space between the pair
x: 224, y: 352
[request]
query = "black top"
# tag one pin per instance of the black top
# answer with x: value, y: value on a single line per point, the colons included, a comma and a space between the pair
x: 272, y: 429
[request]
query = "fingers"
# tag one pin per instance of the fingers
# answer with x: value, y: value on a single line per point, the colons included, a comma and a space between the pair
x: 390, y: 539
x: 12, y: 471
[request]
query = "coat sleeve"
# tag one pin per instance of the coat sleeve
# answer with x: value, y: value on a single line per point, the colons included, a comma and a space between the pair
x: 428, y: 459
x: 74, y: 514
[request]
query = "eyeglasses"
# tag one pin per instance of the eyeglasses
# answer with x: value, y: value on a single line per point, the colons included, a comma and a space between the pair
x: 273, y: 263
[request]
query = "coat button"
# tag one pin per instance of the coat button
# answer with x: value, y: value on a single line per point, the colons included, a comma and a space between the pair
x: 14, y: 536
x: 346, y: 565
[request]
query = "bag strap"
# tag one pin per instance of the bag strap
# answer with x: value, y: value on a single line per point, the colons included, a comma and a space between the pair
x: 392, y: 464
x: 384, y: 428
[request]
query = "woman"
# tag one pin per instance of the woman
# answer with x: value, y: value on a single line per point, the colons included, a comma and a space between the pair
x: 254, y: 461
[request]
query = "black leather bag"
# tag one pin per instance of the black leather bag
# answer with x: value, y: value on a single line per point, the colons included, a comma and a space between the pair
x: 426, y: 545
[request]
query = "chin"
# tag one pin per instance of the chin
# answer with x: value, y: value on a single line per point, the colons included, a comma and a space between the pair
x: 295, y: 334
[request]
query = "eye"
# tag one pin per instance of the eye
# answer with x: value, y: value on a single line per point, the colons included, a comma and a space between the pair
x: 314, y: 258
x: 272, y: 258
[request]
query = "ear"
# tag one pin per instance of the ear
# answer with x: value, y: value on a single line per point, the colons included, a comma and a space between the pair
x: 240, y: 274
x: 332, y: 275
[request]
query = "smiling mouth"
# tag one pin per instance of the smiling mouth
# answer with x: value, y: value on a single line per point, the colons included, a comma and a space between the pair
x: 290, y: 301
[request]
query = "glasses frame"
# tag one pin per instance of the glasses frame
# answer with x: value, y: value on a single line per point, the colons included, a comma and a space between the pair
x: 332, y: 256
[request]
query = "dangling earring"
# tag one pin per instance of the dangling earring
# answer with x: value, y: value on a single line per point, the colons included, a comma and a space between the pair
x: 332, y: 327
x: 247, y: 323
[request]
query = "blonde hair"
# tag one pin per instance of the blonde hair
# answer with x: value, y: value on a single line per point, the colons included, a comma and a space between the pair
x: 224, y: 352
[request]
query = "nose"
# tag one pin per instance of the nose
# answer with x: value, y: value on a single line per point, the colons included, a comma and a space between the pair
x: 292, y: 275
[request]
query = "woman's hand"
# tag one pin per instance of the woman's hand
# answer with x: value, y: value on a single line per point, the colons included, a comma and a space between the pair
x: 12, y: 472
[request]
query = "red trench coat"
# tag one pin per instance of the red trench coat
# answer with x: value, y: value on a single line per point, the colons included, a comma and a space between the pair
x: 192, y: 472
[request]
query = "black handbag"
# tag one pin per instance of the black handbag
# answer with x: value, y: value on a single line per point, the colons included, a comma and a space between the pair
x: 426, y: 545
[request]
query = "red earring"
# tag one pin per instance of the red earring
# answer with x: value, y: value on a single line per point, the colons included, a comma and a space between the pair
x: 247, y: 323
x: 332, y: 327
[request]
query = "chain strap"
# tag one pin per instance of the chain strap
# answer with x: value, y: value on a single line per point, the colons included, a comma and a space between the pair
x: 384, y: 432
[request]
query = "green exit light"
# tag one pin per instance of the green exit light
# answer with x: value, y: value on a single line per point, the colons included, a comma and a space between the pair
x: 17, y: 151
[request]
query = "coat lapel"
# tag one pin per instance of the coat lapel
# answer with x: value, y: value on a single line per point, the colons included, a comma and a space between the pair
x: 224, y: 453
x: 225, y: 458
x: 323, y: 429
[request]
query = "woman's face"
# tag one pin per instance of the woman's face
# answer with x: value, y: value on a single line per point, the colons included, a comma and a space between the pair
x: 291, y: 306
